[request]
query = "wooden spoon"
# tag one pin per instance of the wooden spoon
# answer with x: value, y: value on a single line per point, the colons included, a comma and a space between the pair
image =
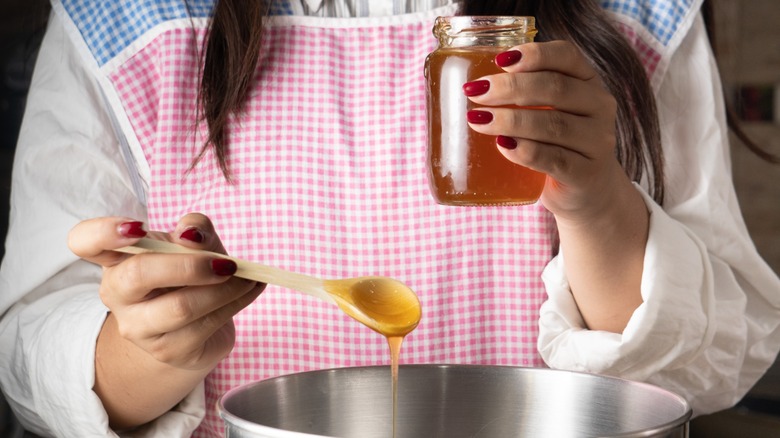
x: 383, y: 304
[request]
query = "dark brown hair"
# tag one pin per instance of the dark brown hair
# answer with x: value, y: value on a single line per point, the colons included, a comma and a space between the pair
x: 233, y: 50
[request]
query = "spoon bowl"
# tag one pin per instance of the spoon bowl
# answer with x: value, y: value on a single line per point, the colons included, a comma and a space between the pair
x: 383, y: 304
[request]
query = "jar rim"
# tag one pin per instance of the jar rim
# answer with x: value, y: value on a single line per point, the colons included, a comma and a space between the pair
x: 475, y: 23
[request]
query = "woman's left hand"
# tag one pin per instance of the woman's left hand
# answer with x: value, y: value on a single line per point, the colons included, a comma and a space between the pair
x: 550, y: 112
x: 568, y: 132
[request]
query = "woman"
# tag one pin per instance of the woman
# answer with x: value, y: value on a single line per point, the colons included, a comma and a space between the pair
x: 314, y: 137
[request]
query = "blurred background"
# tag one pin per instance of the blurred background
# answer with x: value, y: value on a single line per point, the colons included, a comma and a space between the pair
x: 747, y: 41
x: 748, y: 45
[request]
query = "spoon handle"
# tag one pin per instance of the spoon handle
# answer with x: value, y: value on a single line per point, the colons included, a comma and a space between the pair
x: 248, y: 270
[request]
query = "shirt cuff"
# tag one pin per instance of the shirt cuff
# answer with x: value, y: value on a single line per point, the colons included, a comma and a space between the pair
x: 52, y: 360
x: 667, y: 331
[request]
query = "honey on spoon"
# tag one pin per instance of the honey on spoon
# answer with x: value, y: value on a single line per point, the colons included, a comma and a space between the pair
x: 383, y: 304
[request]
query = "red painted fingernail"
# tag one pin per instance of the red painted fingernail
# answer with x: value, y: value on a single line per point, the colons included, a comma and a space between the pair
x: 508, y: 58
x: 193, y: 235
x: 132, y: 229
x: 476, y: 88
x: 506, y: 142
x: 224, y: 266
x: 479, y: 117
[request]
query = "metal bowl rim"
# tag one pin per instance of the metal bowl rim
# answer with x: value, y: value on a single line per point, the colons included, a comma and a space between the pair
x: 281, y: 433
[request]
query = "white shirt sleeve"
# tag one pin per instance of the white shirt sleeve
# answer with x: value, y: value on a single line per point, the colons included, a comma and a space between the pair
x: 709, y: 324
x: 68, y: 167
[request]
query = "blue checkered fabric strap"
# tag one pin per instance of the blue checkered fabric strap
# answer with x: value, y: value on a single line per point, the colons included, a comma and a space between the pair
x: 108, y: 27
x: 661, y: 18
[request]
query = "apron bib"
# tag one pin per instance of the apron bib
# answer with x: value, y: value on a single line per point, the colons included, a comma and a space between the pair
x: 328, y: 167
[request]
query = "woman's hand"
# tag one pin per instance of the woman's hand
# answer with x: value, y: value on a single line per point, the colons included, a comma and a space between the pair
x: 171, y: 314
x: 569, y: 133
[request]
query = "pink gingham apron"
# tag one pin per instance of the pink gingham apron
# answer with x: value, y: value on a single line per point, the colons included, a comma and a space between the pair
x: 328, y: 168
x: 329, y: 177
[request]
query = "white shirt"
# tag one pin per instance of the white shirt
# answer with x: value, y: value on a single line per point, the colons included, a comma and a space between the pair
x: 362, y: 8
x: 708, y: 327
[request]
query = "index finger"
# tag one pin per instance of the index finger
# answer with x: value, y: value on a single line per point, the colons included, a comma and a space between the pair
x: 560, y: 56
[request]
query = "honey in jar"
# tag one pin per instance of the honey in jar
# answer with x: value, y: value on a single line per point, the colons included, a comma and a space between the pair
x: 464, y: 166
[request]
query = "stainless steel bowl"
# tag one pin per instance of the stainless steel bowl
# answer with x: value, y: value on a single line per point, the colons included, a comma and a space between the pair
x: 452, y: 401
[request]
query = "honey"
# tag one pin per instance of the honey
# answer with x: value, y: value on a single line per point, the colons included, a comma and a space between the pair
x: 465, y: 167
x: 385, y: 305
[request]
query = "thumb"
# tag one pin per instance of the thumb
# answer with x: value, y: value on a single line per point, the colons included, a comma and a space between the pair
x: 95, y: 239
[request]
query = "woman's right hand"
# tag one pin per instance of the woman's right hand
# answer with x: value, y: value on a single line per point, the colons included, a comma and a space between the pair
x: 171, y: 314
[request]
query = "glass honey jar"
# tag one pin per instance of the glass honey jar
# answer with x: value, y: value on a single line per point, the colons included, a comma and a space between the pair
x: 464, y: 166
